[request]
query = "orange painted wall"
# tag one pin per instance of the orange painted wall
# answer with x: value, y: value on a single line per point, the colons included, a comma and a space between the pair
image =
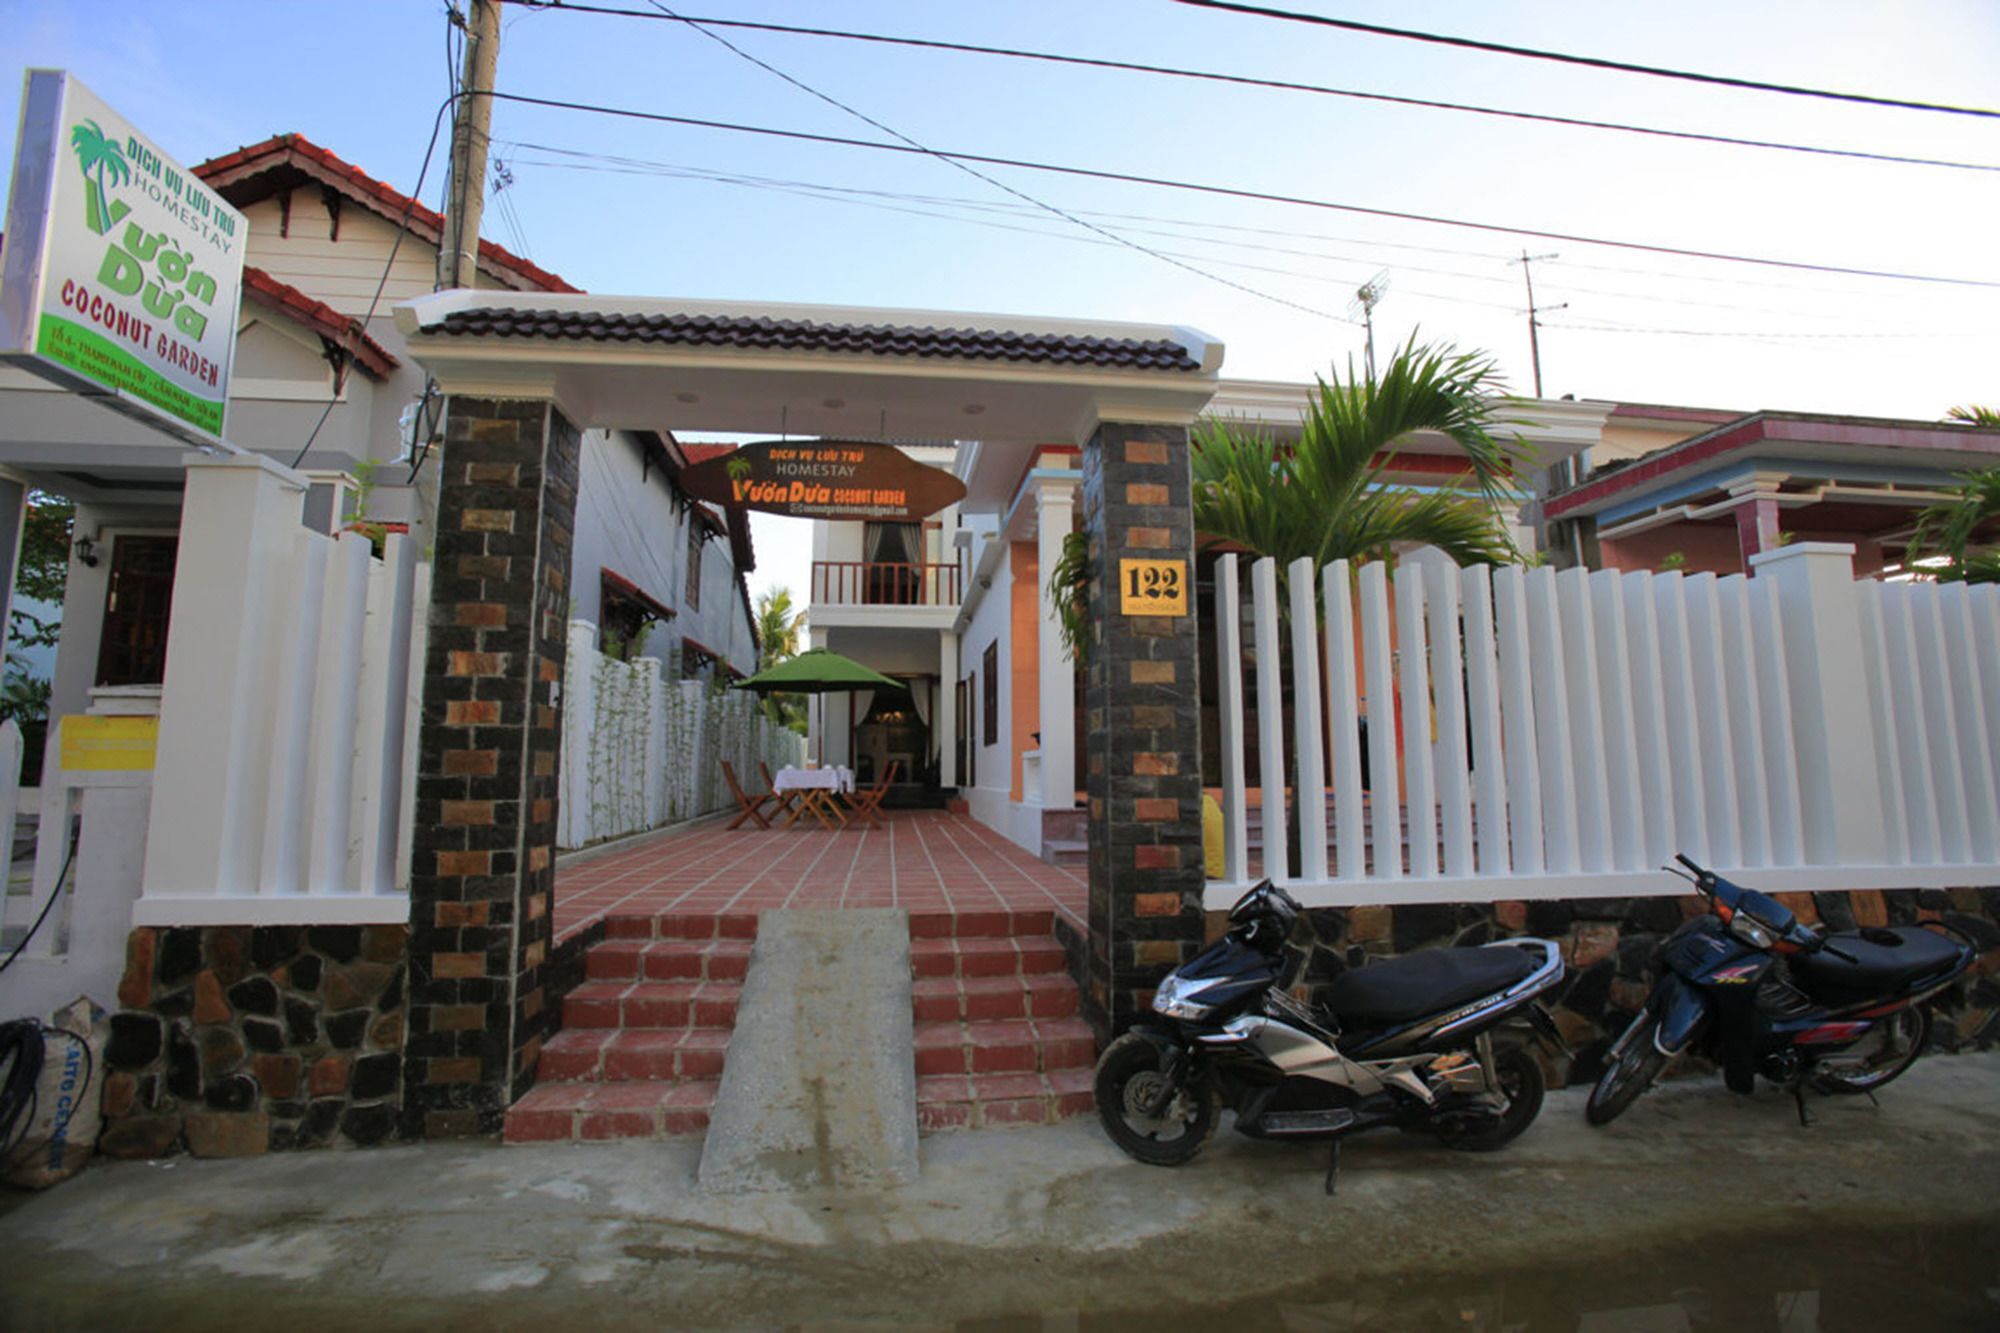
x: 1024, y: 663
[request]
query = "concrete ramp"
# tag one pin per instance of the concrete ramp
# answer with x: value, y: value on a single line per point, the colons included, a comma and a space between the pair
x: 820, y: 1086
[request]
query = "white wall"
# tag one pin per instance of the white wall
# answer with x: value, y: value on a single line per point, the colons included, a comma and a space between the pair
x: 992, y: 764
x: 627, y: 521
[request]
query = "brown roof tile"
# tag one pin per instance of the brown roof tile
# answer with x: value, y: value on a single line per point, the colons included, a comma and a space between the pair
x: 966, y: 344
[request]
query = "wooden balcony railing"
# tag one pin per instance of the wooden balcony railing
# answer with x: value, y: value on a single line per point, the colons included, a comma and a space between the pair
x: 876, y: 583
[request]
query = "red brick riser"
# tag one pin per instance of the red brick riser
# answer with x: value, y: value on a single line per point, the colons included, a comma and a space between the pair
x: 644, y: 1037
x: 998, y: 1037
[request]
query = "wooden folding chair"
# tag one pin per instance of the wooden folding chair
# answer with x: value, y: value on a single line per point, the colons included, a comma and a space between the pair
x: 753, y: 806
x: 867, y: 803
x: 784, y: 799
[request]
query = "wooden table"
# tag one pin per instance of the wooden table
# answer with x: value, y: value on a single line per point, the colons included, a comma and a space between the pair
x: 816, y: 788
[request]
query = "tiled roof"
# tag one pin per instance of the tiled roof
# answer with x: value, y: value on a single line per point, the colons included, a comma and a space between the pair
x: 233, y: 175
x: 962, y: 344
x: 702, y: 451
x: 344, y: 331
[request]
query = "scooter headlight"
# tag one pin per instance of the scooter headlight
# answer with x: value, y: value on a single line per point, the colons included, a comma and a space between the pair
x: 1176, y: 998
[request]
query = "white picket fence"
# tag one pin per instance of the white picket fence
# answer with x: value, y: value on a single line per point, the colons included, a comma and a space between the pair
x: 288, y: 718
x: 1564, y: 734
x: 640, y: 751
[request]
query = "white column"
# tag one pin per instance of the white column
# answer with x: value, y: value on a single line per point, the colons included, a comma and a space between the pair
x: 944, y: 708
x: 1055, y: 504
x: 1839, y: 799
x: 240, y: 517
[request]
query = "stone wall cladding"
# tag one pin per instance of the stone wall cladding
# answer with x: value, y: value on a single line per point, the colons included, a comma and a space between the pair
x: 236, y: 1040
x: 484, y: 865
x: 1141, y: 729
x: 1609, y: 946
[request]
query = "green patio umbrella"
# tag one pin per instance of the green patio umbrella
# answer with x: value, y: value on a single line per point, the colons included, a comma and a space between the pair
x: 817, y: 671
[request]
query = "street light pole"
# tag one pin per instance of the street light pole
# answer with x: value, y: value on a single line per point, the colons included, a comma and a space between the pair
x: 471, y: 134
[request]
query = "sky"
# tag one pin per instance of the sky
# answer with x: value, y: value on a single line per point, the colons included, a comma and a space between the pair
x: 626, y: 206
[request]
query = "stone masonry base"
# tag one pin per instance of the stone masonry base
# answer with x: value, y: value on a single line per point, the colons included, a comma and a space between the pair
x: 235, y: 1040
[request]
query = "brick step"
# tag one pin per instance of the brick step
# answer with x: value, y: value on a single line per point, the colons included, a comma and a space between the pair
x: 987, y: 1101
x: 668, y: 960
x: 594, y: 1112
x: 1007, y: 1046
x: 949, y: 925
x: 1071, y: 852
x: 985, y: 956
x: 1040, y: 995
x: 683, y: 926
x: 652, y: 1004
x: 636, y: 1055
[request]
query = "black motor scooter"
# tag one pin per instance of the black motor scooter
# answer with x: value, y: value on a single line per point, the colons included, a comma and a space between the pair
x: 1408, y: 1041
x: 1751, y: 987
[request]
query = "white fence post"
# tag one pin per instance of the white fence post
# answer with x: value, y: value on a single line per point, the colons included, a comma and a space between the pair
x: 1343, y: 724
x: 1270, y: 716
x: 1840, y: 807
x: 1229, y: 685
x: 1385, y: 812
x: 1419, y: 795
x: 1308, y: 737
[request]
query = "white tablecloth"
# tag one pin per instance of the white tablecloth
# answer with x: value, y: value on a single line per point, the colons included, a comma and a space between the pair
x: 820, y: 779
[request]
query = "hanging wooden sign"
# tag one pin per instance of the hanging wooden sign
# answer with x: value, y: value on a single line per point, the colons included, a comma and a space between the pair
x: 832, y: 479
x: 1152, y: 587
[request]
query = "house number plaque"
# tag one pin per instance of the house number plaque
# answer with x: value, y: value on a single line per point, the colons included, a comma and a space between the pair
x: 1153, y: 587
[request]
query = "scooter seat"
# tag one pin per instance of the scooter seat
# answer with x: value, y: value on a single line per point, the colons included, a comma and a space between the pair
x: 1401, y: 989
x: 1882, y: 970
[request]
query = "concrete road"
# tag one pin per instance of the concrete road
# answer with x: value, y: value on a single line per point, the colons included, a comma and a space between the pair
x: 1053, y: 1224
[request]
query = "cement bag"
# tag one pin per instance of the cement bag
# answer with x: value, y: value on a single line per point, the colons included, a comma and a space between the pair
x: 63, y: 1118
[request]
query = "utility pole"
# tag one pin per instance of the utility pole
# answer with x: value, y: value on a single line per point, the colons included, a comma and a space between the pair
x: 1366, y: 298
x: 471, y: 133
x: 1534, y: 336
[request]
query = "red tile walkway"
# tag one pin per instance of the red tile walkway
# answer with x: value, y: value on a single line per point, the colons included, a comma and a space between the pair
x: 923, y: 861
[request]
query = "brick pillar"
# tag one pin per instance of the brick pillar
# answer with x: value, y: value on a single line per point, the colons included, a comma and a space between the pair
x: 1143, y: 737
x: 491, y: 741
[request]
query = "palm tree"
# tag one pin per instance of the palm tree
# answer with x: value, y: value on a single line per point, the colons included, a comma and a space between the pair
x: 778, y: 630
x: 96, y: 153
x: 1975, y: 414
x: 1953, y: 527
x: 1325, y: 497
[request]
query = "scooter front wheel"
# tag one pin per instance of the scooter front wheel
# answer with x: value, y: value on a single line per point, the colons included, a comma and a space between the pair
x: 1636, y: 1061
x: 1130, y: 1086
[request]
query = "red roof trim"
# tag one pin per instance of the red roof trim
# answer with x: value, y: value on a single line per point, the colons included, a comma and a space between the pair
x: 1763, y: 426
x: 298, y: 151
x: 344, y: 331
x: 689, y: 641
x: 701, y: 452
x: 618, y: 582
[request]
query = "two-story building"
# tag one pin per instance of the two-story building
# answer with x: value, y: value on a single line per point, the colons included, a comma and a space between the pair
x: 957, y: 608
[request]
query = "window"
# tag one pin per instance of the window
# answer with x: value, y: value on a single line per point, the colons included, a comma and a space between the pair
x: 133, y: 648
x: 625, y: 616
x: 697, y: 538
x: 989, y: 666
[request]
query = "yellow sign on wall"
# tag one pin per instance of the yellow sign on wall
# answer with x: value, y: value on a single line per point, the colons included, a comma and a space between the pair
x: 1153, y: 587
x: 92, y: 744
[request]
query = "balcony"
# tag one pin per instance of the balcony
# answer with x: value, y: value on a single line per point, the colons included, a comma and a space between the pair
x: 872, y: 583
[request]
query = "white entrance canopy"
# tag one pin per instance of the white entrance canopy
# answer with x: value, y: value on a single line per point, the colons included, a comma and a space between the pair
x: 650, y: 363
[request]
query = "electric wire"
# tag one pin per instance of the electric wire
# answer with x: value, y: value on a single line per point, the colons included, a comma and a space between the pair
x: 938, y: 206
x: 55, y: 896
x: 402, y: 230
x: 1255, y: 81
x: 1235, y: 192
x: 1589, y: 62
x: 909, y: 145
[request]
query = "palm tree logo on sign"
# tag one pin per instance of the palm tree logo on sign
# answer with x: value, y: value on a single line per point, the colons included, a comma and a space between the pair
x: 96, y: 153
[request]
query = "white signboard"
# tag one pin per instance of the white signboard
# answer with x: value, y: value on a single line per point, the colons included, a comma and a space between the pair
x: 121, y: 272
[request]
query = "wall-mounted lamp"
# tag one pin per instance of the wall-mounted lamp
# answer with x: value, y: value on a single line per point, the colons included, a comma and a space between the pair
x: 86, y: 551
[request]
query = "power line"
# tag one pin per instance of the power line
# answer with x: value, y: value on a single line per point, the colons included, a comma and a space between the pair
x: 1762, y: 334
x: 1233, y: 192
x: 1253, y: 81
x: 911, y: 145
x: 1590, y: 62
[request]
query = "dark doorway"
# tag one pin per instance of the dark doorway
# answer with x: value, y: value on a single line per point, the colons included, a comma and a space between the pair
x: 133, y: 648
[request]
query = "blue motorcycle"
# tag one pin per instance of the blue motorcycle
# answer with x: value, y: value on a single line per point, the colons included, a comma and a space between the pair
x: 1750, y: 987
